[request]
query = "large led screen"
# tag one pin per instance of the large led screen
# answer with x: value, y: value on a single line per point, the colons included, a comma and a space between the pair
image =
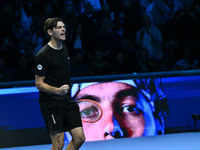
x: 139, y: 107
x: 130, y: 108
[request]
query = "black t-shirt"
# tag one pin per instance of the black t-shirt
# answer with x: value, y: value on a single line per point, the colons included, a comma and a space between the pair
x: 54, y: 65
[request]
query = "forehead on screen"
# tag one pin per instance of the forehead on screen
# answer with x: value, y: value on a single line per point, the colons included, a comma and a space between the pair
x: 78, y: 86
x: 104, y: 88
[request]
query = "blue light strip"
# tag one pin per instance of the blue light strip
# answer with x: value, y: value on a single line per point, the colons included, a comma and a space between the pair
x: 18, y: 90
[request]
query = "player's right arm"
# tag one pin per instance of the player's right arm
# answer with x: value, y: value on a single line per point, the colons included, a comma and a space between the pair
x: 44, y: 87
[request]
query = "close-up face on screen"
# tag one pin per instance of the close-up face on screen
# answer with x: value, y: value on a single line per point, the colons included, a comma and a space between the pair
x: 125, y: 110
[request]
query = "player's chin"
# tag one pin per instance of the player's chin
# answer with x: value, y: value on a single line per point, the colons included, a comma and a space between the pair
x: 62, y: 38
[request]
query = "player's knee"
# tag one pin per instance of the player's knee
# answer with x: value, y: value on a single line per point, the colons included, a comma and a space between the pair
x: 82, y: 139
x: 79, y: 140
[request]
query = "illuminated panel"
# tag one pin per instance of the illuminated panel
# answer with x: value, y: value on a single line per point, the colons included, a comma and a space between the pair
x: 20, y: 113
x: 151, y: 107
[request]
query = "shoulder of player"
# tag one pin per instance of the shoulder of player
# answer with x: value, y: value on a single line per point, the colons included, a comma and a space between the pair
x: 43, y: 50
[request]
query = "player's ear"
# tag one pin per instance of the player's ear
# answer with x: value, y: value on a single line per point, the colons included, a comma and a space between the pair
x: 49, y: 32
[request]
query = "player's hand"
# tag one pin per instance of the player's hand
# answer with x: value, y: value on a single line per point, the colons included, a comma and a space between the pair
x: 64, y: 89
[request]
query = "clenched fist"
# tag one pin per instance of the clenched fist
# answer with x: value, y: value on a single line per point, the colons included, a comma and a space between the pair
x: 63, y: 89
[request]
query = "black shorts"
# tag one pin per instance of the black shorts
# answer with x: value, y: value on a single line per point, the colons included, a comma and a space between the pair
x: 61, y: 120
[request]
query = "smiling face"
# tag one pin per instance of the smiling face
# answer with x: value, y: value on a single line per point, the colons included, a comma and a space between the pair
x: 122, y: 116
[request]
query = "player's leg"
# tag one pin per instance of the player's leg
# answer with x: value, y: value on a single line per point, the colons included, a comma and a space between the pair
x: 78, y: 139
x: 57, y: 140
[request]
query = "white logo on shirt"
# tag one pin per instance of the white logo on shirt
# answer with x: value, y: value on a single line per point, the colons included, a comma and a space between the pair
x: 39, y: 67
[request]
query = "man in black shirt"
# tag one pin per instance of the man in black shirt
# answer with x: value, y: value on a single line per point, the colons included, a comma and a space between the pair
x: 52, y: 78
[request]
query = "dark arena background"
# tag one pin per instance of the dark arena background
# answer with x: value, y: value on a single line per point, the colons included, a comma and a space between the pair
x: 150, y: 46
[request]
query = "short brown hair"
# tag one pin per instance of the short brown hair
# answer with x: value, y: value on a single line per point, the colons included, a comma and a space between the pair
x: 51, y: 23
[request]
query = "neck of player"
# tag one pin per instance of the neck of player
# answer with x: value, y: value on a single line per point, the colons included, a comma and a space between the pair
x: 55, y: 44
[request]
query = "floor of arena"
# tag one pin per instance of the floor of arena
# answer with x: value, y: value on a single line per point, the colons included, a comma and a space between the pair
x: 178, y: 141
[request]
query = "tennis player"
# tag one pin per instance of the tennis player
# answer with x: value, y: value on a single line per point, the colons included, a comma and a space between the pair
x: 52, y: 79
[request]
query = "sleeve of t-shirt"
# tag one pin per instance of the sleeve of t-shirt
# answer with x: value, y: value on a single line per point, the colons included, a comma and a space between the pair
x: 40, y: 65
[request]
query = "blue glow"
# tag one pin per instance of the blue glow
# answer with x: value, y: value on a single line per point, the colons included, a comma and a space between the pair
x: 18, y: 90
